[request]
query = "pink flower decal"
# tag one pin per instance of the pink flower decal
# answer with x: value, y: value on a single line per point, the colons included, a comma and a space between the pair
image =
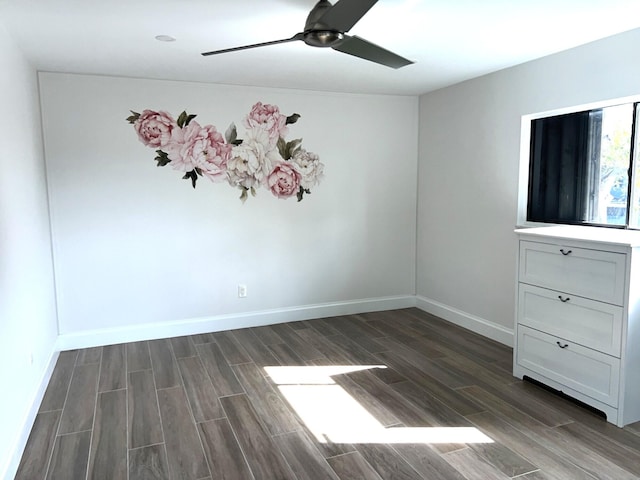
x: 263, y: 159
x: 154, y: 128
x: 199, y: 148
x: 268, y: 118
x: 284, y: 180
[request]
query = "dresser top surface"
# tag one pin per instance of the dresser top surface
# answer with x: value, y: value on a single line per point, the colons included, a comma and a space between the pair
x: 610, y: 236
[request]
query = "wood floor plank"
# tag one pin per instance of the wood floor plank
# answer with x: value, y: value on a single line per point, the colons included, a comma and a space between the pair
x: 202, y: 396
x: 428, y: 366
x: 285, y: 355
x: 89, y: 356
x: 439, y: 413
x: 263, y: 456
x: 464, y: 341
x: 185, y: 455
x: 368, y: 395
x: 504, y: 459
x: 427, y: 462
x: 224, y: 455
x: 581, y: 454
x: 578, y: 413
x: 482, y: 374
x: 56, y: 391
x: 163, y: 364
x: 70, y: 456
x: 323, y: 327
x: 387, y: 462
x: 202, y: 338
x: 258, y: 351
x: 113, y: 372
x: 267, y: 335
x: 509, y: 412
x: 546, y: 415
x: 351, y: 466
x: 79, y: 408
x: 183, y: 347
x: 354, y: 352
x: 108, y: 456
x: 456, y: 401
x: 231, y: 348
x: 473, y: 466
x: 289, y: 336
x: 359, y: 332
x: 138, y: 356
x: 608, y: 448
x: 405, y: 411
x: 148, y: 463
x: 325, y: 346
x: 142, y: 408
x: 538, y: 454
x: 224, y: 380
x: 37, y: 453
x: 306, y: 461
x: 409, y: 346
x: 269, y: 405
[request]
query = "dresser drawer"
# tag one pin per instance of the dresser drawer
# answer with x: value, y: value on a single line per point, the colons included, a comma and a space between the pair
x: 589, y: 323
x: 594, y: 274
x: 584, y: 370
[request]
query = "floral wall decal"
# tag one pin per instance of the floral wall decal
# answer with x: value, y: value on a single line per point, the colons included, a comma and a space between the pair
x: 263, y: 159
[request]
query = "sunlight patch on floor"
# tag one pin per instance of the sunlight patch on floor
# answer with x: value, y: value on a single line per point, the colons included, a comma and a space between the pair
x: 334, y: 416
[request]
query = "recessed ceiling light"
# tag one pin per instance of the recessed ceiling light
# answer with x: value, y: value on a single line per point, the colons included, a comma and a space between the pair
x: 165, y: 38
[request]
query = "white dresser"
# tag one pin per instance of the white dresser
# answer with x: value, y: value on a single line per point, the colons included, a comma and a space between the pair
x: 578, y: 315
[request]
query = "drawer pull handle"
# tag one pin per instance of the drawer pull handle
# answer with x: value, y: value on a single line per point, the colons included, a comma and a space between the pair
x: 564, y: 300
x: 565, y: 252
x: 562, y: 346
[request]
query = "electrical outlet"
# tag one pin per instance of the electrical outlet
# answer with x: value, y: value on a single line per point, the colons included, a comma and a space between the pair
x: 242, y: 291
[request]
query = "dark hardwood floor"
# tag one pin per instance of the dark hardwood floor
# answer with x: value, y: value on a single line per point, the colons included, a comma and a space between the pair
x: 387, y: 395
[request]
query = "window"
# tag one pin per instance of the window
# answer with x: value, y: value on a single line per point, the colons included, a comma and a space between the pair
x: 583, y: 168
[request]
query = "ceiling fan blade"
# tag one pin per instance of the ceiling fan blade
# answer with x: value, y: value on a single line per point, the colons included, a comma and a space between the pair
x: 297, y: 36
x: 359, y: 47
x: 345, y: 14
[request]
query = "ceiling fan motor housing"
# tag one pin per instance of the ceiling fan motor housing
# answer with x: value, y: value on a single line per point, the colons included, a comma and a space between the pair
x: 323, y: 38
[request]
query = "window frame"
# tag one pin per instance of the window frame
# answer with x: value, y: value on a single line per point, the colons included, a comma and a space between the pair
x: 525, y: 152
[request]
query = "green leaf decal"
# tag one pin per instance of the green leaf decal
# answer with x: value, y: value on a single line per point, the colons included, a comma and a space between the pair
x: 162, y: 158
x: 292, y: 147
x: 282, y: 148
x: 237, y: 142
x: 292, y: 119
x: 231, y: 135
x: 191, y: 175
x: 184, y: 119
x: 300, y: 194
x: 133, y: 118
x: 243, y: 195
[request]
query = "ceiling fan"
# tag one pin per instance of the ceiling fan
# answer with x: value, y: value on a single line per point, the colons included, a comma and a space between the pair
x: 326, y: 26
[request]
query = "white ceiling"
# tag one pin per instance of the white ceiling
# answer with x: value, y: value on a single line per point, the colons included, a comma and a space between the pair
x: 450, y: 40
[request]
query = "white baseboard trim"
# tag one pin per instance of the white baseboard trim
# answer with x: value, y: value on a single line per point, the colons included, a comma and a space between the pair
x: 466, y: 320
x: 30, y: 417
x: 110, y: 336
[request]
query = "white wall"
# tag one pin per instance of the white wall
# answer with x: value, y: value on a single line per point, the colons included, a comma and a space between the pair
x: 468, y: 174
x: 136, y: 246
x: 27, y: 309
